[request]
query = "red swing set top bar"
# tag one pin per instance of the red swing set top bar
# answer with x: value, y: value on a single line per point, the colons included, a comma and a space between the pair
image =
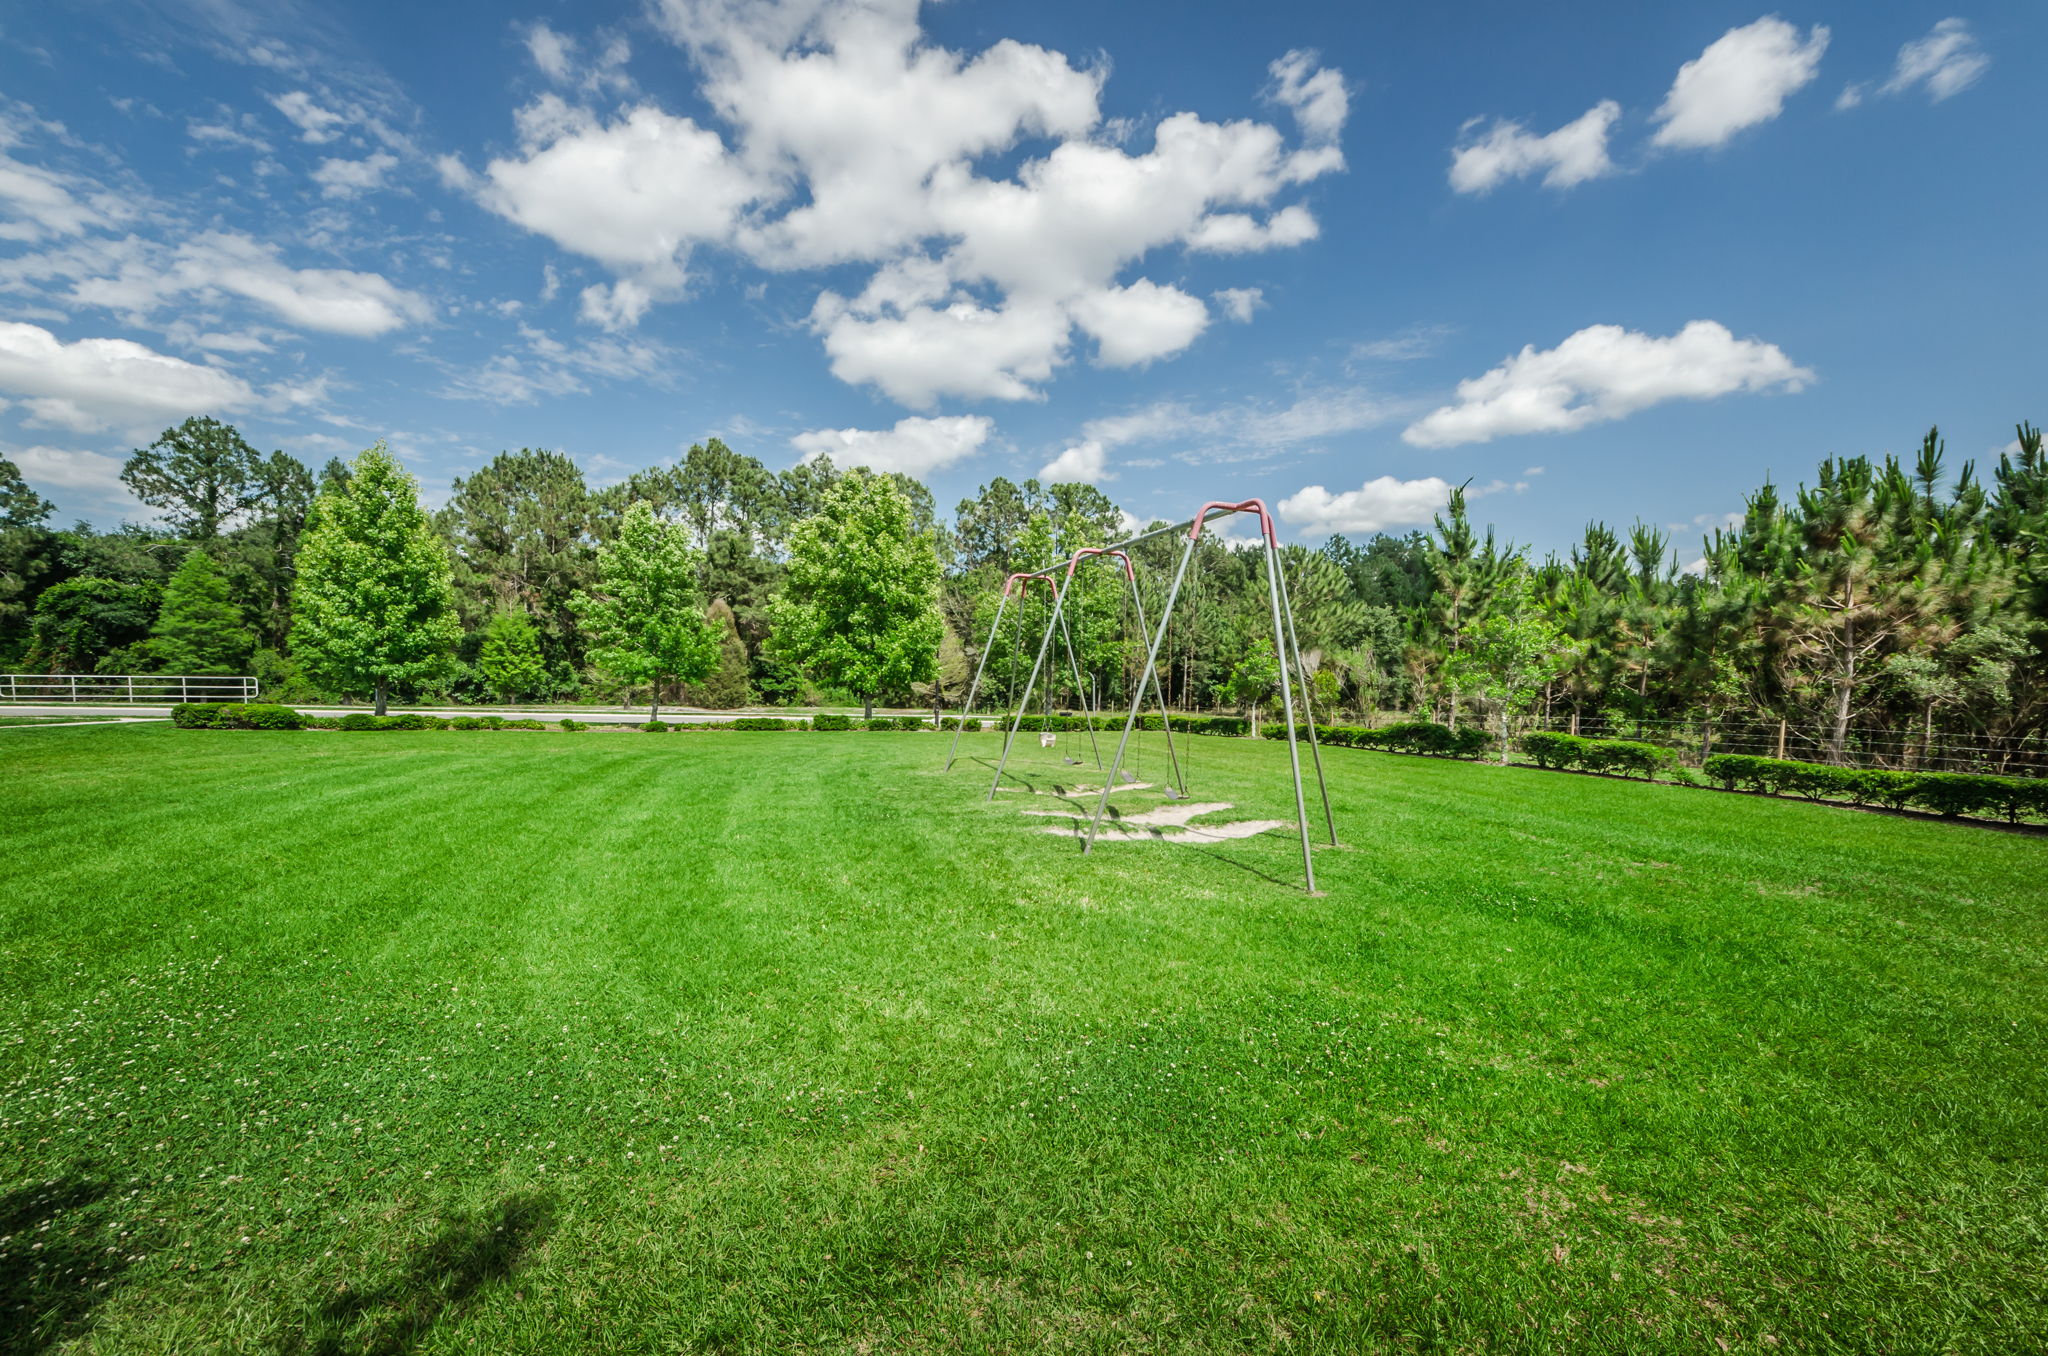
x: 1257, y: 506
x: 1027, y: 577
x: 1124, y: 556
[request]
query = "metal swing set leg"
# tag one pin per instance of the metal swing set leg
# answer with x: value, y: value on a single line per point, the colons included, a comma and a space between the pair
x: 1283, y: 643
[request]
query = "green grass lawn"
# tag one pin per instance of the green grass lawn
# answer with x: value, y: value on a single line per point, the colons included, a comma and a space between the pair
x: 510, y: 1042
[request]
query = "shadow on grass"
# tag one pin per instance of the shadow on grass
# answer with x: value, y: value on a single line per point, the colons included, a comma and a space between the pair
x: 58, y: 1259
x: 471, y: 1254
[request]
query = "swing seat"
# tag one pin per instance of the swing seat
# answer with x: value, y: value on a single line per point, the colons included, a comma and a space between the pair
x: 1046, y: 741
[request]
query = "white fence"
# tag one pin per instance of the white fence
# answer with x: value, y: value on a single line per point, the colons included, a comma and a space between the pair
x: 152, y: 688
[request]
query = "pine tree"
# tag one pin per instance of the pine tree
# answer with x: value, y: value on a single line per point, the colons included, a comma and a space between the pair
x: 373, y: 605
x: 644, y: 619
x: 726, y: 686
x: 201, y: 474
x: 861, y: 606
x: 510, y: 661
x: 198, y: 627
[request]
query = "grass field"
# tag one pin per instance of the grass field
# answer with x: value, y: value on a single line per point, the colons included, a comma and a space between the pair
x: 433, y: 1042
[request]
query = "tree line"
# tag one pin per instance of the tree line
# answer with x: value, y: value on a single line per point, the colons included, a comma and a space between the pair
x: 1884, y: 595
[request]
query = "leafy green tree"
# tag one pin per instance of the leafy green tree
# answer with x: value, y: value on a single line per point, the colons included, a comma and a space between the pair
x: 79, y: 621
x: 1510, y: 655
x: 861, y: 606
x: 645, y: 618
x: 25, y: 551
x: 510, y: 661
x: 198, y: 628
x: 201, y: 474
x: 1253, y: 678
x: 373, y: 604
x: 987, y: 526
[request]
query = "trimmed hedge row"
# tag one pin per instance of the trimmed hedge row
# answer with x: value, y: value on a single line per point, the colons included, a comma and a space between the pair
x: 235, y: 716
x: 1623, y: 756
x: 418, y: 720
x: 1945, y: 793
x: 1408, y: 736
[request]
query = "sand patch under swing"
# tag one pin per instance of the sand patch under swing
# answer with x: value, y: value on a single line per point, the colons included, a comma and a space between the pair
x: 1153, y: 825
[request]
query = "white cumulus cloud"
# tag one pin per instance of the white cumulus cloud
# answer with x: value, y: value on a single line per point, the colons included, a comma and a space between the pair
x: 636, y: 193
x: 1375, y: 506
x: 1570, y: 155
x: 1136, y: 324
x: 1085, y: 462
x: 1601, y: 373
x: 915, y: 446
x: 91, y: 384
x: 993, y: 212
x: 1742, y: 79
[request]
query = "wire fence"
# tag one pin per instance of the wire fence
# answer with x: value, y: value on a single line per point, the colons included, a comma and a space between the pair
x: 1914, y: 750
x: 124, y: 688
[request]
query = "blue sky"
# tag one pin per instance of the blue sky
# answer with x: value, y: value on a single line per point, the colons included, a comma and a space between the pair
x: 1619, y: 264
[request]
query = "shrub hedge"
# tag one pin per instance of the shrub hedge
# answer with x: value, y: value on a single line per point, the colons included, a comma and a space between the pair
x: 767, y: 723
x: 1623, y: 756
x: 1945, y: 793
x: 1410, y: 736
x: 235, y: 716
x: 831, y: 720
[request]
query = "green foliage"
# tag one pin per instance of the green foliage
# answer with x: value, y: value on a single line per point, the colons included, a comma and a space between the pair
x: 656, y: 726
x: 373, y: 606
x: 1893, y: 790
x: 200, y: 474
x: 726, y: 686
x: 510, y: 660
x: 1625, y: 756
x: 1944, y: 793
x: 235, y: 716
x: 280, y: 677
x: 1548, y: 749
x: 232, y: 715
x: 520, y: 527
x: 1254, y: 677
x: 1955, y: 793
x: 199, y: 629
x: 831, y: 721
x: 883, y: 723
x: 196, y: 715
x: 80, y: 621
x: 860, y: 606
x: 644, y: 618
x: 766, y: 723
x: 571, y: 724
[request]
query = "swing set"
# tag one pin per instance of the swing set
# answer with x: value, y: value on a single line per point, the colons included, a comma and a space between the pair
x: 1286, y: 644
